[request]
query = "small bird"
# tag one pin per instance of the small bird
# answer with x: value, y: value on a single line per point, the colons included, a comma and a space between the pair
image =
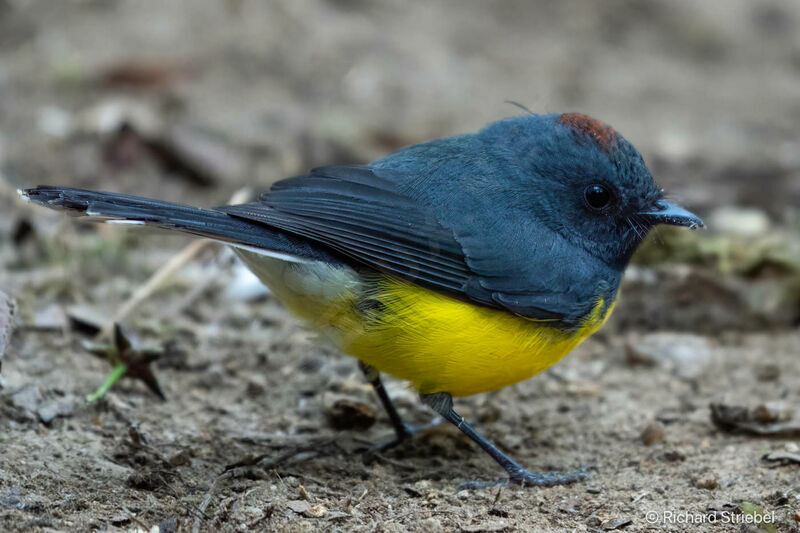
x: 462, y: 265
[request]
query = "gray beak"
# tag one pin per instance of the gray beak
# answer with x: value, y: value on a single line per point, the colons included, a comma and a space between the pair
x: 667, y: 213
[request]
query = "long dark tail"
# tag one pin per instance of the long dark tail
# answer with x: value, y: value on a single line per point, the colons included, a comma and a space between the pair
x: 123, y: 208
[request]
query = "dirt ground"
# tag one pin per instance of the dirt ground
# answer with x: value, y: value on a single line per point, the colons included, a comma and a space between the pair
x: 191, y: 101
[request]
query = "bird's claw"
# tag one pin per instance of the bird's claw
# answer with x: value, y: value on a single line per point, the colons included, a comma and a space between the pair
x: 526, y: 478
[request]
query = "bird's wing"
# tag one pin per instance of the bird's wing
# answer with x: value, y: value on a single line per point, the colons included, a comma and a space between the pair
x: 357, y: 212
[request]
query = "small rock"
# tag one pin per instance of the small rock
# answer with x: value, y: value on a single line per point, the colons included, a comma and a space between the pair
x: 347, y: 413
x: 668, y: 416
x: 298, y: 506
x: 51, y: 317
x: 48, y: 410
x: 653, y: 433
x: 502, y: 512
x: 709, y: 482
x: 27, y: 399
x: 593, y: 521
x: 87, y: 319
x: 686, y: 355
x: 674, y: 456
x: 304, y: 508
x: 617, y: 522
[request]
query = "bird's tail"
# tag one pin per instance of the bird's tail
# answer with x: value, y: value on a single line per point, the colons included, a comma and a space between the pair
x: 126, y: 209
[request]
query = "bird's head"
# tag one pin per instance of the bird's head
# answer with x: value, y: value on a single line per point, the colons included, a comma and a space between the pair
x: 584, y: 180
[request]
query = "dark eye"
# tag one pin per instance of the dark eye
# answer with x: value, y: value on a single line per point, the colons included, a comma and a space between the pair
x: 597, y: 197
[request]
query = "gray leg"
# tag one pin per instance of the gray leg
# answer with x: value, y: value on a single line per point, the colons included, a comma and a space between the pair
x: 442, y: 403
x: 402, y: 429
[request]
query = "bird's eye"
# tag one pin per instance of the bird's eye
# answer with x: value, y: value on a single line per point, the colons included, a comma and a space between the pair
x: 597, y: 197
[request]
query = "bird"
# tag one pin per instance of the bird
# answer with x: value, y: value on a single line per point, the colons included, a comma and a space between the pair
x: 462, y: 265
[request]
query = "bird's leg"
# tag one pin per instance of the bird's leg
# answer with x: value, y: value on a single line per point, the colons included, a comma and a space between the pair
x: 442, y: 403
x: 402, y: 430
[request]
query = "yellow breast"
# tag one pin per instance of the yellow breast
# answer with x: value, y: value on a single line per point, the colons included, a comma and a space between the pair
x: 441, y: 344
x: 436, y: 342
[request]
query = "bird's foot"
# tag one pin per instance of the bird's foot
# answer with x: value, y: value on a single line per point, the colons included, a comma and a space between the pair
x: 525, y: 478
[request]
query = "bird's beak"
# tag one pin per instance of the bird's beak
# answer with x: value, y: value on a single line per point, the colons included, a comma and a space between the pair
x: 667, y: 213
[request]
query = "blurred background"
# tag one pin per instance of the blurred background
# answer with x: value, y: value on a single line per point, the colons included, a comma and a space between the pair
x: 193, y: 100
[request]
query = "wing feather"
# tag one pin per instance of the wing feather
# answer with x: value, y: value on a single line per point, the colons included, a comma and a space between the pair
x: 360, y: 215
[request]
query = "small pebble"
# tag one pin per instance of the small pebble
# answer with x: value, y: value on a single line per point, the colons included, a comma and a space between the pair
x: 298, y: 506
x: 709, y: 482
x: 348, y: 413
x: 617, y: 522
x: 686, y: 355
x: 653, y: 433
x: 674, y: 456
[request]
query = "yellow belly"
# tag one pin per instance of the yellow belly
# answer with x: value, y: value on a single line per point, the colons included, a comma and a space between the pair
x: 436, y: 342
x: 441, y: 344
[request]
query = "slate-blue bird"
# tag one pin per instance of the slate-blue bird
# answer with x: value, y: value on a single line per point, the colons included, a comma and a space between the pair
x: 462, y: 265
